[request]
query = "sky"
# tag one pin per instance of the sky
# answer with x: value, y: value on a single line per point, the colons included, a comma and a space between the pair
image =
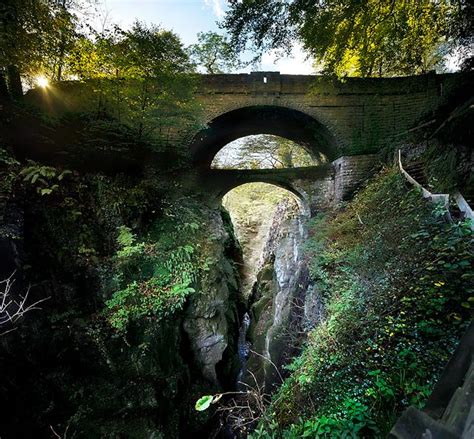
x: 187, y: 18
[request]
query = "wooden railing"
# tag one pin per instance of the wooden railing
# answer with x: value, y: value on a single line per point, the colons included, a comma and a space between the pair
x: 443, y: 199
x: 435, y: 198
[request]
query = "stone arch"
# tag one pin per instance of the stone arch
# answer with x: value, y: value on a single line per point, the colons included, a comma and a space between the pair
x: 281, y: 121
x: 219, y: 182
x: 299, y: 194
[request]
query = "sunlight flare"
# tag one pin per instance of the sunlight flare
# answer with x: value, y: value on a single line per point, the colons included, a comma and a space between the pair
x: 42, y: 81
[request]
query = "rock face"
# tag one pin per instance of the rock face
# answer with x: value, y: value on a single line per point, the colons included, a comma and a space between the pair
x: 211, y: 320
x: 284, y: 302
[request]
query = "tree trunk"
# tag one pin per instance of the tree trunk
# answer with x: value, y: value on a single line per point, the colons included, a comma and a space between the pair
x: 62, y: 48
x: 4, y: 95
x: 60, y: 64
x: 14, y: 82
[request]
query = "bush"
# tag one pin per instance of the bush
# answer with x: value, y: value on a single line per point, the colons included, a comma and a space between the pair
x: 155, y: 274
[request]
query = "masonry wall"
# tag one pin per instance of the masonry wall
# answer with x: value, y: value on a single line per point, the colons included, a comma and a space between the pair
x: 363, y: 114
x: 348, y: 174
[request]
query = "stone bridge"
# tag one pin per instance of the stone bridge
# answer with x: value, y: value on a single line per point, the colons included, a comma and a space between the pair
x: 328, y: 116
x: 317, y: 187
x: 221, y: 181
x: 337, y: 119
x: 334, y: 117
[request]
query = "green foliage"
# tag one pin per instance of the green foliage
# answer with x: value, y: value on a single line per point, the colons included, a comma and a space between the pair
x: 350, y: 37
x: 139, y: 53
x: 149, y: 51
x: 36, y: 36
x: 156, y: 274
x: 45, y: 179
x: 157, y: 96
x: 43, y: 37
x: 214, y: 53
x: 444, y: 169
x: 8, y: 171
x: 353, y: 422
x: 154, y: 102
x: 264, y: 151
x: 204, y: 403
x: 396, y: 282
x: 6, y: 159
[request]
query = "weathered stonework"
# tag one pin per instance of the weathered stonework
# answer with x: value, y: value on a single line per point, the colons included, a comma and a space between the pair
x: 363, y: 114
x: 317, y: 187
x: 350, y: 117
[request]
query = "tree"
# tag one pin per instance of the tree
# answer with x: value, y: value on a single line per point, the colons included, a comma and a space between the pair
x: 147, y: 52
x: 22, y: 28
x: 35, y: 37
x: 61, y: 36
x: 155, y: 58
x: 462, y: 33
x: 156, y: 97
x: 350, y: 37
x: 214, y: 53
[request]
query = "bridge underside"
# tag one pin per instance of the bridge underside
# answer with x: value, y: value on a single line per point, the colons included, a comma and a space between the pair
x: 291, y: 124
x: 317, y: 187
x: 221, y: 181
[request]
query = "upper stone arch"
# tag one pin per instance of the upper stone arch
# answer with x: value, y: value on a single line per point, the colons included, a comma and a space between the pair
x: 277, y: 120
x: 361, y: 115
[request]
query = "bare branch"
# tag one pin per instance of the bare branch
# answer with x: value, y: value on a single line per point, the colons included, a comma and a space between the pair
x: 13, y: 309
x: 270, y: 361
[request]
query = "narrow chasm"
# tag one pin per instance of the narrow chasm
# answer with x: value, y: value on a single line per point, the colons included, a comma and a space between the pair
x: 281, y: 305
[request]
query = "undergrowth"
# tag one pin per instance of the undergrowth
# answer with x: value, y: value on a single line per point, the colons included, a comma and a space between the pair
x: 156, y: 273
x: 396, y: 280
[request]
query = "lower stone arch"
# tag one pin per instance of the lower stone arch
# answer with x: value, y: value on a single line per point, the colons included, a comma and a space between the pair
x: 299, y: 194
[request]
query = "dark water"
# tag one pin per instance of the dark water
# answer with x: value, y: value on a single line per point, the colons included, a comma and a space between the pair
x: 243, y: 349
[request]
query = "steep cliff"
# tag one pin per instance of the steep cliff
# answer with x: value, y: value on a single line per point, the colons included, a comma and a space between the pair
x: 284, y: 304
x: 395, y: 278
x: 212, y: 318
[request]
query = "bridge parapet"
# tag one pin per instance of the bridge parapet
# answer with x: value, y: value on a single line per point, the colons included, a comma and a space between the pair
x: 363, y: 114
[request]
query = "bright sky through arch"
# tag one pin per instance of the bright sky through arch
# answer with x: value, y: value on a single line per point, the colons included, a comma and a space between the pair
x: 187, y: 18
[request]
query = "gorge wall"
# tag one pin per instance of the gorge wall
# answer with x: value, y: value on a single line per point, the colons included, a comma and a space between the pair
x: 68, y: 368
x: 284, y: 303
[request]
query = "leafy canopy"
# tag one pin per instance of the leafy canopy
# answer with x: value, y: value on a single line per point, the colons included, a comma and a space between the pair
x: 264, y: 151
x: 37, y: 35
x: 141, y: 52
x: 158, y: 96
x: 351, y: 37
x: 214, y: 53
